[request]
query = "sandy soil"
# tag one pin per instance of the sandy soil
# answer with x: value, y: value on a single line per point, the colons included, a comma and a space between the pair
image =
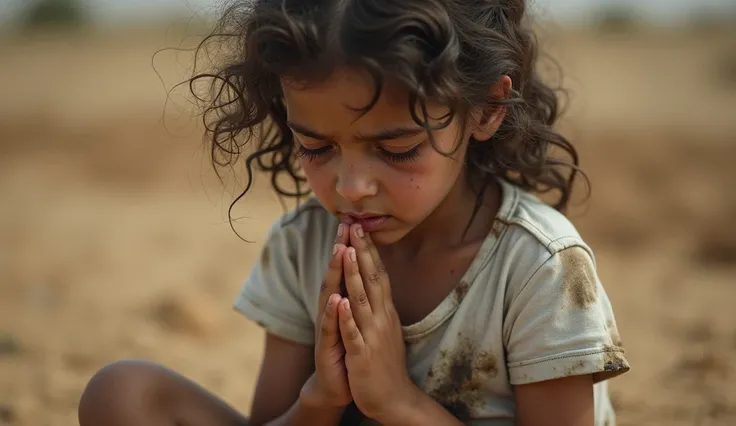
x: 114, y: 241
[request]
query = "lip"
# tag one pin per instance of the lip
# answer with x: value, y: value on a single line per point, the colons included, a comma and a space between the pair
x: 354, y: 216
x: 370, y: 222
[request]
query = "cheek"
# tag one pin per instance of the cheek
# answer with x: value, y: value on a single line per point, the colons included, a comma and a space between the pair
x: 422, y: 183
x: 320, y: 178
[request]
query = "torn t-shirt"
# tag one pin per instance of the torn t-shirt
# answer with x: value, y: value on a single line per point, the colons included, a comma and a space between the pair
x: 530, y: 308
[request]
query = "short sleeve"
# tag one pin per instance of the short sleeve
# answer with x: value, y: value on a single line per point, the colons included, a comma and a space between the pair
x: 560, y: 323
x: 272, y: 295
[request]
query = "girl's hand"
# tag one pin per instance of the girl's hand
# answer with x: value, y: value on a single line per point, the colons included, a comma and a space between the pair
x: 329, y: 385
x: 371, y: 332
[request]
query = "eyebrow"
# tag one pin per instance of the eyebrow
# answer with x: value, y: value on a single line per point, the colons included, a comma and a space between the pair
x: 382, y: 135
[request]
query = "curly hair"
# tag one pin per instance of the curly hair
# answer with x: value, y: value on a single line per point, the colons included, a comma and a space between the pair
x: 445, y: 51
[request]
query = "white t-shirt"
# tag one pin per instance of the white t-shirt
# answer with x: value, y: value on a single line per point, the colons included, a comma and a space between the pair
x: 529, y: 308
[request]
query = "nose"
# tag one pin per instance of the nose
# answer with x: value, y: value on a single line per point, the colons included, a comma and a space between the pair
x: 355, y: 182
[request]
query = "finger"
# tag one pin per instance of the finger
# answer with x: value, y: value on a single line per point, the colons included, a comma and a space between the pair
x: 381, y: 269
x: 352, y: 338
x: 329, y: 333
x: 372, y: 278
x: 342, y: 236
x: 331, y: 281
x: 361, y: 307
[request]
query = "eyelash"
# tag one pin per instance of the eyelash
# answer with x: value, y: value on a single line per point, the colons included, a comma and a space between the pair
x: 403, y: 157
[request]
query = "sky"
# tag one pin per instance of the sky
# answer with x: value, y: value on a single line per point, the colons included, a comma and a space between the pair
x: 663, y: 11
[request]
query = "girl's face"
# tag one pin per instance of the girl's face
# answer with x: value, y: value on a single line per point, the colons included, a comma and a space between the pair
x: 379, y: 169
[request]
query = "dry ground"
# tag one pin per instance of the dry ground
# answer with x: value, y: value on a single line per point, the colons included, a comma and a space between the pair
x: 114, y: 243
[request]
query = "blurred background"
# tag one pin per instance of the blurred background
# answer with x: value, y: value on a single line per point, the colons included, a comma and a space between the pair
x: 114, y: 240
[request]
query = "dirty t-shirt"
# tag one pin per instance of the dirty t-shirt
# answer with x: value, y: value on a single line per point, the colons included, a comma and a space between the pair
x: 529, y: 308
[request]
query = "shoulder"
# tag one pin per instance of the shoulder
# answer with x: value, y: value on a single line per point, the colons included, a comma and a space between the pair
x: 306, y: 227
x: 536, y: 222
x: 558, y: 320
x: 535, y: 232
x: 301, y: 240
x: 280, y: 293
x: 540, y: 246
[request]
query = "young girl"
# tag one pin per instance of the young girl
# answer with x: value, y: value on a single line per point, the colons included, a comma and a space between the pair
x: 423, y: 284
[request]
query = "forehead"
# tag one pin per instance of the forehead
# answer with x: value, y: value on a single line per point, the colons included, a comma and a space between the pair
x: 332, y: 105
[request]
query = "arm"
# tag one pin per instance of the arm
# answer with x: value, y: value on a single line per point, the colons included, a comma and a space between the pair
x: 560, y: 402
x: 421, y: 411
x: 561, y: 338
x: 282, y: 392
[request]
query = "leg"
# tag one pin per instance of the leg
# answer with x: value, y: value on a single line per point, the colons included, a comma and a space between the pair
x: 139, y: 393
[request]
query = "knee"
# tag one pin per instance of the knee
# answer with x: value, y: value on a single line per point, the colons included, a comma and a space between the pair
x: 118, y: 393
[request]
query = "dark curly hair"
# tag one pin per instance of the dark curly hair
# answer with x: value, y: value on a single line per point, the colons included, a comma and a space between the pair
x: 445, y: 51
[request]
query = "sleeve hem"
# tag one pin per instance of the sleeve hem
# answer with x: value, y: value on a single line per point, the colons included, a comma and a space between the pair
x: 602, y: 363
x: 275, y: 324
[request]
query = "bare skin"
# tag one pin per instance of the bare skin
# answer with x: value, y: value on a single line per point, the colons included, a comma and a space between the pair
x: 141, y: 393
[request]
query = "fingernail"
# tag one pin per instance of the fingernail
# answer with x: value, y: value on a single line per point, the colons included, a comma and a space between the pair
x: 347, y: 305
x: 351, y: 254
x: 340, y: 230
x: 359, y: 231
x: 330, y: 301
x: 335, y: 249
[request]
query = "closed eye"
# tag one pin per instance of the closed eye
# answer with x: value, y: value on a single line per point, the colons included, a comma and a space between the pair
x: 312, y: 153
x: 401, y: 157
x: 392, y: 156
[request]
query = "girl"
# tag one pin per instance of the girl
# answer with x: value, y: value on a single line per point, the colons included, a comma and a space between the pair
x: 423, y: 284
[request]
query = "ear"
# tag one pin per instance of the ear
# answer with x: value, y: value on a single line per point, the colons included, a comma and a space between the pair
x: 489, y: 118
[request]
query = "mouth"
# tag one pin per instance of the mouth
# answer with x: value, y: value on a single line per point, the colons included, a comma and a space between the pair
x: 370, y: 222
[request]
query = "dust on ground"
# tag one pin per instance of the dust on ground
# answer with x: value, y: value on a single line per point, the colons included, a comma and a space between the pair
x: 115, y: 243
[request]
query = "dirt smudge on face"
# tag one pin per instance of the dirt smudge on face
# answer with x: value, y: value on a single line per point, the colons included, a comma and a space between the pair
x: 580, y: 280
x: 456, y: 378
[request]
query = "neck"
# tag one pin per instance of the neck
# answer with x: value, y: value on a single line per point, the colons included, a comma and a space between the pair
x: 456, y: 220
